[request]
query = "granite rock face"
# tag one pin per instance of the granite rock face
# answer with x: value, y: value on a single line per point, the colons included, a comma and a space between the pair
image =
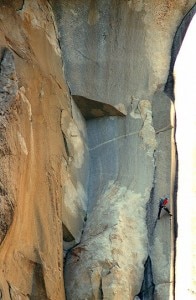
x: 86, y: 149
x: 32, y: 96
x: 118, y: 53
x: 8, y: 96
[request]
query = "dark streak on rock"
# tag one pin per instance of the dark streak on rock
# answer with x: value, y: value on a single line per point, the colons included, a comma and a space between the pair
x: 101, y: 290
x: 148, y: 286
x: 3, y: 192
x: 6, y: 215
x: 38, y: 287
x: 177, y: 42
x: 10, y: 290
x: 8, y: 81
x: 66, y: 146
x: 91, y: 109
x: 8, y: 93
x: 21, y: 6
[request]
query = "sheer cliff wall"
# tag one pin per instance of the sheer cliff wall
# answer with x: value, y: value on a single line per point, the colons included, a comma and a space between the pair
x: 32, y: 98
x: 118, y: 53
x: 86, y: 149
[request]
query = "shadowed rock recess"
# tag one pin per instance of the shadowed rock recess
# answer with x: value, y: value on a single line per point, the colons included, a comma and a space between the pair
x: 86, y: 149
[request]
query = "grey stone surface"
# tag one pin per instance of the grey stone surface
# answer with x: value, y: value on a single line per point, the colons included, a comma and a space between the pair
x: 118, y: 52
x: 114, y: 144
x: 8, y: 81
x: 8, y: 94
x: 100, y: 49
x: 74, y: 174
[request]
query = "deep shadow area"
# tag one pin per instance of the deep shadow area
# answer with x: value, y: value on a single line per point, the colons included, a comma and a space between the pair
x: 38, y: 288
x: 91, y: 109
x: 148, y: 286
x: 67, y: 236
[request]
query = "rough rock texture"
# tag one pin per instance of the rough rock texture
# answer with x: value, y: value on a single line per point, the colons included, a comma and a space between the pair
x: 8, y: 96
x: 32, y: 96
x: 147, y: 289
x: 118, y: 52
x: 74, y: 170
x: 83, y: 167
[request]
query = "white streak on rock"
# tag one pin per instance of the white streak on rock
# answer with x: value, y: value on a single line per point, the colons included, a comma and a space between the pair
x: 22, y: 143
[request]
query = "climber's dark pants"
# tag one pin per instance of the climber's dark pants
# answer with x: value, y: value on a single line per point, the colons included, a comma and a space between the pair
x: 165, y: 208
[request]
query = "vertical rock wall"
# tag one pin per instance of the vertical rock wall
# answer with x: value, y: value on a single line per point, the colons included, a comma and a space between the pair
x: 86, y: 177
x: 118, y: 52
x: 32, y: 96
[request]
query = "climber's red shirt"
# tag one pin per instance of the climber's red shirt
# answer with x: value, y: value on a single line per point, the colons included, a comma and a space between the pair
x: 165, y: 201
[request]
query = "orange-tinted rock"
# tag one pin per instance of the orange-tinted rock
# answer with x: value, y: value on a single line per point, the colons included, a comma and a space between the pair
x: 32, y: 147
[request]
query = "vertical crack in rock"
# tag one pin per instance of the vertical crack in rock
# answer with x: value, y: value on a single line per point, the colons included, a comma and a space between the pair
x: 10, y: 290
x: 175, y: 229
x: 8, y: 93
x: 175, y: 197
x: 66, y: 146
x: 148, y: 286
x: 149, y: 214
x: 177, y: 42
x: 101, y: 296
x: 99, y: 62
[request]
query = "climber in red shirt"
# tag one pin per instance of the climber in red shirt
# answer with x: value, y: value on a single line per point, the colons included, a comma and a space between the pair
x: 163, y: 205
